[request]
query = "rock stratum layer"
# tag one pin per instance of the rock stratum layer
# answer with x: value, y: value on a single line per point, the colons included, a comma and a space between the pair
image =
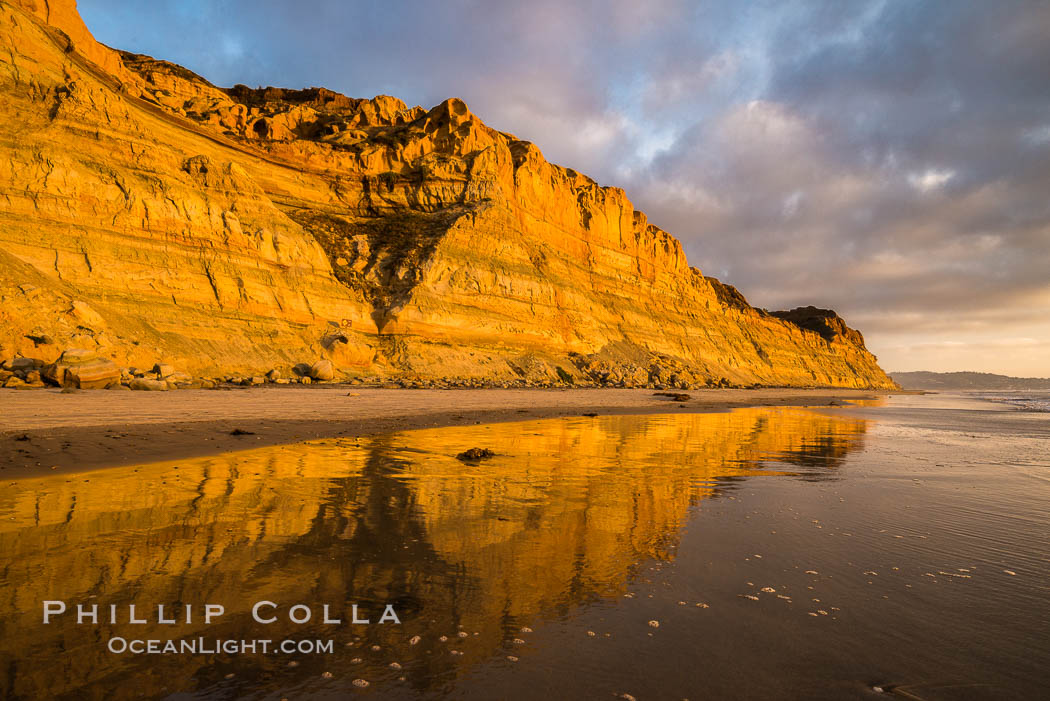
x: 146, y: 214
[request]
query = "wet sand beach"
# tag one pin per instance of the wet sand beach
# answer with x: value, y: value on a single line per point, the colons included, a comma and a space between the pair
x: 894, y: 548
x: 45, y: 429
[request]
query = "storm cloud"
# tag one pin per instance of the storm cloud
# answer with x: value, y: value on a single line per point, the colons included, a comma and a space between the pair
x: 889, y: 159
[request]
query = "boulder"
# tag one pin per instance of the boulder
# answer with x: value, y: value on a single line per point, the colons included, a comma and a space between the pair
x: 149, y: 385
x: 72, y: 356
x: 95, y: 374
x: 475, y: 454
x: 163, y: 369
x: 322, y: 370
x: 81, y: 369
x: 178, y: 377
x: 20, y: 366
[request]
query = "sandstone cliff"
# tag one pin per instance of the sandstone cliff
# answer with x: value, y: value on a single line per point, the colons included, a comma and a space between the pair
x: 149, y: 215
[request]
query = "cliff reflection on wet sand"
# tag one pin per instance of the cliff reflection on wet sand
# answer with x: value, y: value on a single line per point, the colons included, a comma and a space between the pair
x: 564, y: 514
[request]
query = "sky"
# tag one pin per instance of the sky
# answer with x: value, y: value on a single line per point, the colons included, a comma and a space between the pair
x: 887, y: 159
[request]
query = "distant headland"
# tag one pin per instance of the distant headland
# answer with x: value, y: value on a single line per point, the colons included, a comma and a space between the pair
x: 967, y: 380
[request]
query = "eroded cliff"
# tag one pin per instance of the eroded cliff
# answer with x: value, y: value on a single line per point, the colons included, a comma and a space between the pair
x: 149, y: 215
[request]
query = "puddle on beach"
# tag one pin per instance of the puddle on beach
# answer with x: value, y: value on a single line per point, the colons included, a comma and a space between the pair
x: 656, y: 556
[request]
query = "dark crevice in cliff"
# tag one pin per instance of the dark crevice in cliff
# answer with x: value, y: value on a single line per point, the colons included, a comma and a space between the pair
x: 383, y: 257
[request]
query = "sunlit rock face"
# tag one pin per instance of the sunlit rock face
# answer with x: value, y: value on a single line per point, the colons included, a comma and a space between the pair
x: 237, y: 229
x: 567, y: 512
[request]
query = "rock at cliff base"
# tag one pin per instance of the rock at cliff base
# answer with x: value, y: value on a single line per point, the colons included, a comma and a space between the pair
x: 142, y: 384
x: 74, y: 356
x: 82, y: 369
x: 20, y: 365
x: 322, y: 370
x: 93, y: 375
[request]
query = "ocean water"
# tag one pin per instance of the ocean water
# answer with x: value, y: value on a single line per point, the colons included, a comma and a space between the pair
x: 1021, y: 400
x: 892, y: 549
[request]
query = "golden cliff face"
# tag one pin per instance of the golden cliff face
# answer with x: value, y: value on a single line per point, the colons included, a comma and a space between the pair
x: 241, y: 229
x: 567, y: 512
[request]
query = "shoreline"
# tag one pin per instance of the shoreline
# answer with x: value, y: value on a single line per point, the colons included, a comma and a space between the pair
x: 45, y: 432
